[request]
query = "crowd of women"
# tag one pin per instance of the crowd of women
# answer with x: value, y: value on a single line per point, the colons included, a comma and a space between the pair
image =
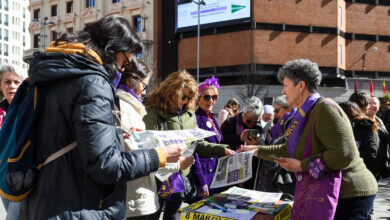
x: 317, y: 153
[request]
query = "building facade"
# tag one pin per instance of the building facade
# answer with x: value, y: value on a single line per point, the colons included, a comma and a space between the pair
x: 51, y: 18
x: 14, y: 35
x: 349, y: 39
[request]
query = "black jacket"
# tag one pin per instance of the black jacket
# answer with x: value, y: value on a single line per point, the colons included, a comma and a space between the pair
x: 88, y: 182
x: 367, y: 144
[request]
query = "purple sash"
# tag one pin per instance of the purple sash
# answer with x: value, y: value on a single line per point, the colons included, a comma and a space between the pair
x: 295, y: 129
x: 315, y: 198
x: 174, y: 184
x: 277, y: 130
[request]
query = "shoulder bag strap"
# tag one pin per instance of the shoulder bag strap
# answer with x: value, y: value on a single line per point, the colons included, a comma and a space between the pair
x: 58, y: 154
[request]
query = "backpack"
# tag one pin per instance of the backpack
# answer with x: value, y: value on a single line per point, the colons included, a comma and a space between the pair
x: 17, y: 165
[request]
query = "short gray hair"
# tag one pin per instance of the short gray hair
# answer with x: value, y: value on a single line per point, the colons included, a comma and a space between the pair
x: 8, y: 68
x: 301, y: 70
x: 254, y: 106
x: 281, y: 101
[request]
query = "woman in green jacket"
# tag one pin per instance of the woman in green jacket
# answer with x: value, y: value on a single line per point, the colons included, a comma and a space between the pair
x: 172, y: 107
x: 320, y: 147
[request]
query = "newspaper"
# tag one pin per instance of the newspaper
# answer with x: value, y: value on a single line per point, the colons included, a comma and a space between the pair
x: 252, y: 196
x: 233, y: 169
x: 152, y: 139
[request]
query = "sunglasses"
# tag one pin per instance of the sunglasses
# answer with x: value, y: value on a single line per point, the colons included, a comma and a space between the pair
x: 208, y: 97
x: 276, y: 110
x: 128, y: 62
x: 184, y: 97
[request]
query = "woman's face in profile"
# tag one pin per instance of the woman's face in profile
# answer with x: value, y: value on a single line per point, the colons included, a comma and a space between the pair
x: 9, y: 84
x: 123, y: 59
x: 291, y: 92
x: 184, y: 98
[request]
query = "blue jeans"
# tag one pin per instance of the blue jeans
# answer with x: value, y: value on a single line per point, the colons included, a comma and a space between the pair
x: 357, y: 208
x: 12, y: 209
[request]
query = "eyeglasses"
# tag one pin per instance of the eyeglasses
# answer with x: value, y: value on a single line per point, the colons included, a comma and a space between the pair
x: 208, y: 97
x: 145, y: 86
x: 276, y: 110
x: 184, y: 97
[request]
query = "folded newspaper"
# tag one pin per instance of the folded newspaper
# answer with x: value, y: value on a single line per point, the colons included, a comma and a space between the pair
x: 233, y: 169
x: 152, y: 139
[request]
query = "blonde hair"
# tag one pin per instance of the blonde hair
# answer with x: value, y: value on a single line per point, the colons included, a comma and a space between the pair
x: 166, y: 96
x: 204, y: 90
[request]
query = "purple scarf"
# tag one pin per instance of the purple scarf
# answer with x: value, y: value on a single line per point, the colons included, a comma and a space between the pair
x: 116, y: 79
x: 129, y: 90
x: 277, y: 130
x: 295, y: 129
x: 202, y: 119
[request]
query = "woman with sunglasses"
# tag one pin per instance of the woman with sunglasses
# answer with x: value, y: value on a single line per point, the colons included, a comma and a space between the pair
x: 171, y: 106
x: 283, y: 113
x: 236, y: 130
x: 204, y: 168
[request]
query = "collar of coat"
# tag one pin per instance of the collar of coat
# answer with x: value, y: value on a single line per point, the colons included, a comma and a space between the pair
x: 73, y: 48
x: 136, y: 104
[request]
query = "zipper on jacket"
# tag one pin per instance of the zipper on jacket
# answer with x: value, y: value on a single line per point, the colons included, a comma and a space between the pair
x: 180, y: 122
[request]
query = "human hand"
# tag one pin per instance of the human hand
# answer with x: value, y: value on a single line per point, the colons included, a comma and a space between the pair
x: 186, y: 162
x: 229, y: 152
x: 290, y: 164
x: 173, y: 152
x: 247, y: 148
x: 244, y: 135
x: 204, y: 194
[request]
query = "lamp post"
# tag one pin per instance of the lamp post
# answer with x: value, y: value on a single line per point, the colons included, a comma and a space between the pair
x: 43, y: 23
x: 199, y: 2
x: 374, y: 49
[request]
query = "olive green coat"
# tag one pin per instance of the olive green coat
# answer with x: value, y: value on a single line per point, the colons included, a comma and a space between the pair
x: 332, y: 138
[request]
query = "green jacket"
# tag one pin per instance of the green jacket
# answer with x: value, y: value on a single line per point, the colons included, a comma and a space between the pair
x: 155, y: 119
x: 332, y: 138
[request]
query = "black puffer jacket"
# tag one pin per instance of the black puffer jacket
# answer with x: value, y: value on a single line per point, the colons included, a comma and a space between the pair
x: 88, y: 182
x: 367, y: 144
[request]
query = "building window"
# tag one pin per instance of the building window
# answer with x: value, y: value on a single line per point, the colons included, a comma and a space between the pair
x: 36, y: 41
x: 1, y: 15
x: 137, y: 23
x: 5, y: 34
x: 89, y: 3
x: 1, y: 4
x: 54, y: 10
x: 340, y: 54
x: 1, y: 49
x: 24, y: 12
x: 24, y: 27
x: 6, y: 5
x: 69, y: 30
x: 36, y: 13
x: 115, y: 1
x: 5, y: 19
x: 6, y: 50
x: 1, y: 31
x: 340, y: 16
x: 54, y: 35
x: 24, y: 41
x: 69, y: 7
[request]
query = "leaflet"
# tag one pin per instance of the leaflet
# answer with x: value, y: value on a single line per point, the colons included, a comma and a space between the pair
x: 233, y: 169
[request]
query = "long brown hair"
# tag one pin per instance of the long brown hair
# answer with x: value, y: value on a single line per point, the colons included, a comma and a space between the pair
x: 352, y: 110
x: 166, y: 96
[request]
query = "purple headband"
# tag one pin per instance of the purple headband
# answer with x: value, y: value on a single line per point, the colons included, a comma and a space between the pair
x: 207, y: 83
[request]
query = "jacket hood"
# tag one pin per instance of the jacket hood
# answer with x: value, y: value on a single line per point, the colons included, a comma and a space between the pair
x: 56, y: 66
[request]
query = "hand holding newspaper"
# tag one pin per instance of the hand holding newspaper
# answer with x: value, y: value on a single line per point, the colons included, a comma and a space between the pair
x: 152, y: 139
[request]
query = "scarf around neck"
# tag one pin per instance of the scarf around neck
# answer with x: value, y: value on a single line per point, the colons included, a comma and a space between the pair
x: 295, y: 129
x: 129, y: 90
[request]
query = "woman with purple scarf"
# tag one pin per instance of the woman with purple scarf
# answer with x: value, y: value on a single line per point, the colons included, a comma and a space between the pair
x: 204, y: 168
x: 321, y: 149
